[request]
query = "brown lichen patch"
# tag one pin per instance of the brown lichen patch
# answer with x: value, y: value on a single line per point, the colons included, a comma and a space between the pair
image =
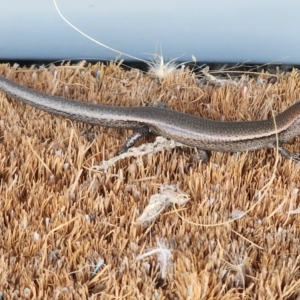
x: 70, y: 231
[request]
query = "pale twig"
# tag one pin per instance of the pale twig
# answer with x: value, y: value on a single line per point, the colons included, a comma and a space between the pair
x: 159, y: 145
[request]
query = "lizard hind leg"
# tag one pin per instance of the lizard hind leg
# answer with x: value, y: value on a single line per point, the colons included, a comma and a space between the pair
x: 140, y: 132
x: 137, y: 135
x: 286, y: 153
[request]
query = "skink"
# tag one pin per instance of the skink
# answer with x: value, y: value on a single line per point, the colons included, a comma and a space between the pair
x: 187, y: 129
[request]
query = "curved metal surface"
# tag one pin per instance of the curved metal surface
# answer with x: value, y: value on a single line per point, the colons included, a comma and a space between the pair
x: 213, y: 31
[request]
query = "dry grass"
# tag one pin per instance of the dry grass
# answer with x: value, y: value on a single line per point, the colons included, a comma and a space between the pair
x: 70, y: 231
